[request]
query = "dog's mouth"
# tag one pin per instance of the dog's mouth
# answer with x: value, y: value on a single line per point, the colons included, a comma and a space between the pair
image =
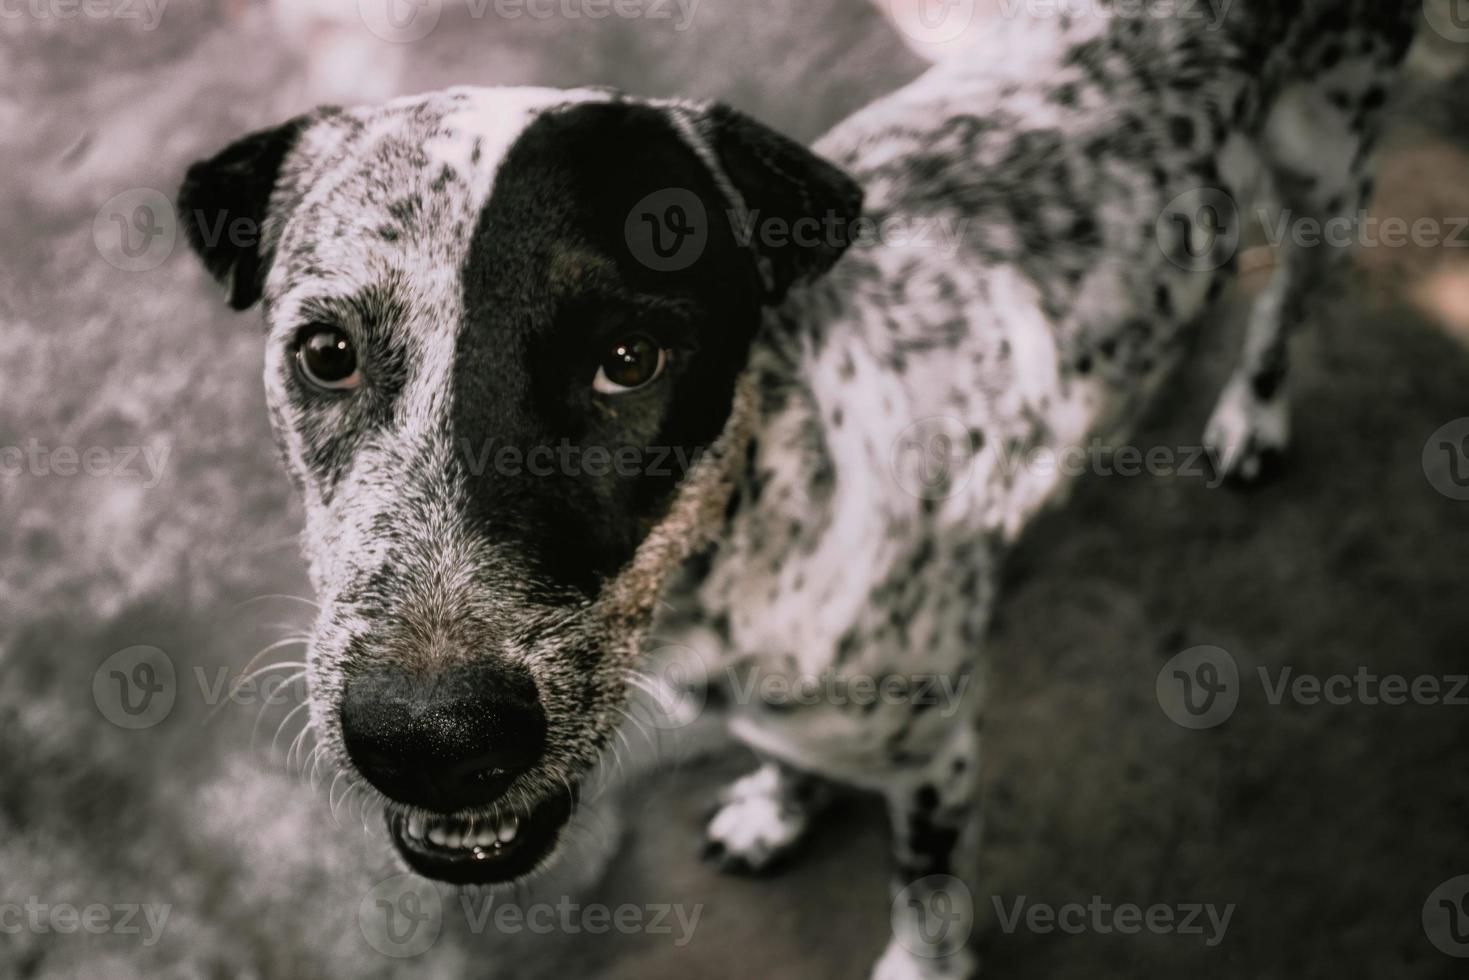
x: 481, y: 850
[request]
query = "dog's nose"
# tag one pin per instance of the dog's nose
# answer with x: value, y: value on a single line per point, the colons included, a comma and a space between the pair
x: 448, y: 741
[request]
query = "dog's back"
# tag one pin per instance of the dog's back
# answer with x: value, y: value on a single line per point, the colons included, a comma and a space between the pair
x: 1109, y: 164
x: 1047, y: 215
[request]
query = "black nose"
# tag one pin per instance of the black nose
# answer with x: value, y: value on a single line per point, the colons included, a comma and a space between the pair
x: 447, y: 741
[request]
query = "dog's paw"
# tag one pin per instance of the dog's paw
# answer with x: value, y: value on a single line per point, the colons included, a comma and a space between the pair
x: 1247, y: 437
x: 758, y: 822
x: 900, y: 963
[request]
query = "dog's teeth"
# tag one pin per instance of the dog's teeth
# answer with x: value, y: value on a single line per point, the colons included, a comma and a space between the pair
x: 436, y: 835
x: 484, y: 838
x: 415, y: 827
x: 507, y: 830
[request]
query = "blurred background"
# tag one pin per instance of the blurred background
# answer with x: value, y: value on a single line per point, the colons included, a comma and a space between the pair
x: 1328, y: 827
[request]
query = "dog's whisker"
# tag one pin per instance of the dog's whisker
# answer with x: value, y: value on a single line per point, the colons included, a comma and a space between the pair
x: 316, y: 768
x: 366, y: 802
x: 621, y: 737
x: 610, y: 775
x: 294, y: 750
x: 566, y: 783
x: 307, y: 759
x: 299, y: 631
x: 654, y: 749
x: 277, y: 595
x: 346, y: 802
x: 248, y: 673
x: 641, y: 683
x: 304, y: 705
x: 263, y: 710
x: 354, y: 792
x: 331, y: 793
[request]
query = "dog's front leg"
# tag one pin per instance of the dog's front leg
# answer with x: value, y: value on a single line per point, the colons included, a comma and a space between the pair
x: 761, y: 818
x: 935, y: 816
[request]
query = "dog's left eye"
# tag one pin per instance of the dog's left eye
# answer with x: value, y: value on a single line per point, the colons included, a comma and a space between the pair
x: 326, y: 358
x: 632, y: 363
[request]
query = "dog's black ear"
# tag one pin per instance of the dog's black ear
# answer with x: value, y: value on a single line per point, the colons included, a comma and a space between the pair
x: 801, y: 210
x: 224, y: 203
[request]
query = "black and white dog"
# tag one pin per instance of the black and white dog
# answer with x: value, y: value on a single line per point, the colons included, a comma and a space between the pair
x: 461, y: 284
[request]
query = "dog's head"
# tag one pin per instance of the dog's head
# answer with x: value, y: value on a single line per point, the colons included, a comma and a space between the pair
x: 506, y: 330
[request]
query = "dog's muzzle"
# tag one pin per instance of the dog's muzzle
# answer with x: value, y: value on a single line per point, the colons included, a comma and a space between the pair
x: 445, y: 749
x: 481, y: 850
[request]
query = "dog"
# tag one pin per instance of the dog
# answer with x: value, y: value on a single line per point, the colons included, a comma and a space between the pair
x: 459, y: 284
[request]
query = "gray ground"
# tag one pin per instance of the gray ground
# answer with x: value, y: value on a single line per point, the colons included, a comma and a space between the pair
x: 1327, y: 827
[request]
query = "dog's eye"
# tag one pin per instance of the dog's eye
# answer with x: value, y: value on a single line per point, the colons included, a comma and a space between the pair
x: 632, y: 363
x: 325, y: 356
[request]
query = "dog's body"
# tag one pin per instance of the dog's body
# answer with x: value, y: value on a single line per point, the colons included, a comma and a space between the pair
x: 921, y: 403
x: 900, y: 399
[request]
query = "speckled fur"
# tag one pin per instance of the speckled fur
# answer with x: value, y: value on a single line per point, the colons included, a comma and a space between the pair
x: 1058, y: 144
x: 1061, y: 142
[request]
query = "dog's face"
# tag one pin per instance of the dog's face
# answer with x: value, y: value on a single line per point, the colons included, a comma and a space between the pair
x: 505, y: 326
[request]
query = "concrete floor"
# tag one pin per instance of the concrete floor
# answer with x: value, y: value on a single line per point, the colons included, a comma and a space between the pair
x: 1326, y: 827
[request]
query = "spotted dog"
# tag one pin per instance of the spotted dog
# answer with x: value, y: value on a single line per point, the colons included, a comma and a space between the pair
x: 459, y: 284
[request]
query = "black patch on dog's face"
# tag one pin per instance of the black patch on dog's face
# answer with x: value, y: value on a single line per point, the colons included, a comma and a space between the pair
x: 550, y: 285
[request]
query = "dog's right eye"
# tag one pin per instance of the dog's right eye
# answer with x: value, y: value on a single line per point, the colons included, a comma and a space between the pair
x: 326, y: 359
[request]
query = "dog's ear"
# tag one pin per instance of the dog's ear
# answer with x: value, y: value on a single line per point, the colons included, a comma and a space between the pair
x: 225, y: 202
x: 781, y: 186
